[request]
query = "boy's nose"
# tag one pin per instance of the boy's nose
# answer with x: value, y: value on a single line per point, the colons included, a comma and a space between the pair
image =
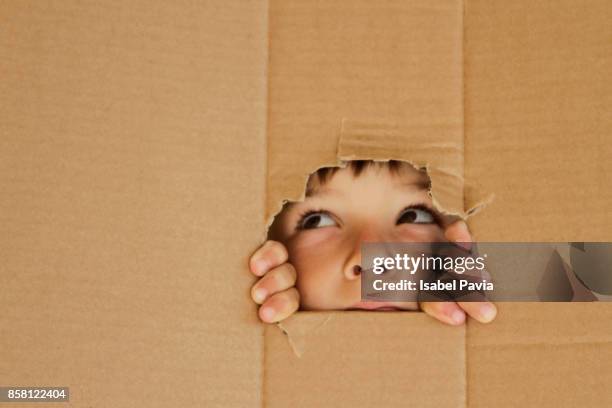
x: 353, y: 267
x: 352, y: 271
x: 370, y: 234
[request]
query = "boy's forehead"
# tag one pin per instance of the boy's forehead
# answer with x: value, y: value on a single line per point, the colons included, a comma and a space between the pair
x: 405, y: 177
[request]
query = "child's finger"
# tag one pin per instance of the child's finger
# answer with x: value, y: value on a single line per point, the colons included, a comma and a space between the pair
x: 446, y: 312
x: 484, y: 312
x: 280, y: 306
x: 268, y: 256
x: 276, y: 280
x: 458, y: 232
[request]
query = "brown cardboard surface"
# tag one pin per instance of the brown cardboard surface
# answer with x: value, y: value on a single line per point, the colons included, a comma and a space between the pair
x: 440, y: 154
x: 362, y: 82
x: 363, y: 359
x: 144, y: 147
x: 537, y: 92
x: 385, y: 64
x: 518, y: 123
x: 537, y: 117
x: 128, y: 206
x: 542, y: 355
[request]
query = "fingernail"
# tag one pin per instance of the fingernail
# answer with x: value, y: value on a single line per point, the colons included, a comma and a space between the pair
x: 267, y: 314
x: 465, y: 245
x: 464, y: 235
x: 260, y: 266
x: 458, y: 317
x: 260, y: 295
x: 462, y: 225
x: 487, y: 313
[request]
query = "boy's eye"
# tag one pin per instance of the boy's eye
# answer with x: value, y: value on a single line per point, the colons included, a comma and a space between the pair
x: 316, y: 220
x: 416, y: 216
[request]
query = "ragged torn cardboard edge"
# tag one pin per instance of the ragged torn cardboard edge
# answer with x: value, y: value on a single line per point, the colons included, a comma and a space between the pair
x: 381, y: 141
x: 297, y: 334
x: 442, y: 160
x: 475, y: 199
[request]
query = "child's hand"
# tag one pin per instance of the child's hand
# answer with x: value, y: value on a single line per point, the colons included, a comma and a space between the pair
x: 454, y: 312
x: 275, y: 291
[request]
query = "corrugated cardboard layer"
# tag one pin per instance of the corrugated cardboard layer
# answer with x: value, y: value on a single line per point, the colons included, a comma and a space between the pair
x: 132, y: 143
x: 538, y: 135
x: 369, y: 81
x: 541, y: 355
x: 538, y: 123
x: 389, y: 62
x: 532, y: 125
x: 364, y: 359
x: 133, y: 176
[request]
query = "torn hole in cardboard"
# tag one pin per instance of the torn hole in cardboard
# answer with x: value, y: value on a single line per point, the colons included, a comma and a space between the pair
x: 320, y: 176
x: 282, y: 230
x: 384, y: 142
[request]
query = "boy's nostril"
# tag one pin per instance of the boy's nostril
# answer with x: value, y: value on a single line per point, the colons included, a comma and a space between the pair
x: 357, y: 270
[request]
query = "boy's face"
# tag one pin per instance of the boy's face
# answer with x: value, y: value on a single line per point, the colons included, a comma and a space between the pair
x: 323, y: 234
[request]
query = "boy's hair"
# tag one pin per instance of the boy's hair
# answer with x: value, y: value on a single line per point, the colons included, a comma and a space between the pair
x: 323, y: 175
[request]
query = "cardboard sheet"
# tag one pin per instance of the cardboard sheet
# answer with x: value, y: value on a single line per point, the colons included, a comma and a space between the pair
x: 393, y: 359
x: 145, y: 147
x: 541, y: 355
x: 389, y: 63
x: 537, y: 116
x: 132, y: 177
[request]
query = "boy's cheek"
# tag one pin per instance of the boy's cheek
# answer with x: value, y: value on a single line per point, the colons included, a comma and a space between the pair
x: 315, y: 291
x: 315, y: 240
x: 326, y: 293
x: 320, y: 280
x: 311, y: 253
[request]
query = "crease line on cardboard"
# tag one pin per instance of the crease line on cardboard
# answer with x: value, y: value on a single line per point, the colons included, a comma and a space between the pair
x: 262, y: 391
x: 372, y: 144
x: 471, y: 211
x: 551, y: 343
